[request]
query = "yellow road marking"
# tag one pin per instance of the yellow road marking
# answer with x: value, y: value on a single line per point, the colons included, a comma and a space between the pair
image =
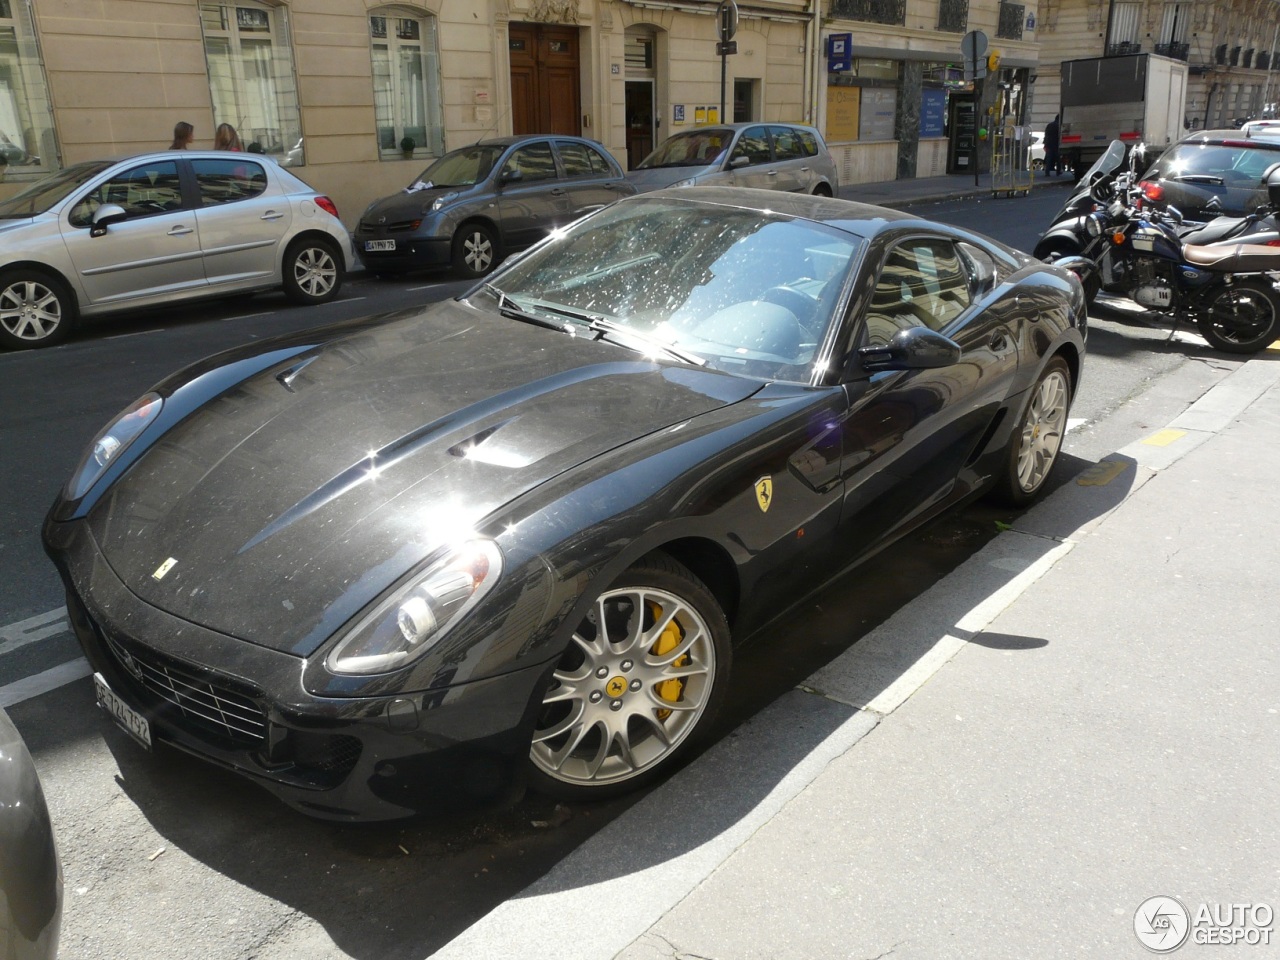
x: 1162, y: 438
x: 1100, y: 474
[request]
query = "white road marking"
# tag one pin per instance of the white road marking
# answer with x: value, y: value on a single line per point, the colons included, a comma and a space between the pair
x: 139, y: 333
x: 41, y: 683
x: 35, y: 628
x: 1076, y: 422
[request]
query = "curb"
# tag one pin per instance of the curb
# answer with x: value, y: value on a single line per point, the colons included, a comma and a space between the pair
x: 650, y: 858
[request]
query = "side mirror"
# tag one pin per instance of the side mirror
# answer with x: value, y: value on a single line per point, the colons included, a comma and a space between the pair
x: 916, y: 348
x: 510, y: 176
x: 106, y: 215
x: 1174, y: 214
x: 739, y: 161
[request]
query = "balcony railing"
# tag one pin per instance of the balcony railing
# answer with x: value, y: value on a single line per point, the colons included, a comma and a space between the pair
x: 1122, y: 48
x: 1012, y: 17
x: 953, y: 15
x: 1178, y: 51
x: 870, y: 11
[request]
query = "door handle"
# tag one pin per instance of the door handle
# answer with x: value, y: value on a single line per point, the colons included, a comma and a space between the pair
x: 180, y: 231
x: 271, y: 215
x: 772, y: 173
x: 999, y: 341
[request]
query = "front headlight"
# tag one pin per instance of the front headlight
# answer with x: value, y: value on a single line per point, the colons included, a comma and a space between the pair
x: 1093, y: 224
x: 111, y: 442
x: 414, y: 618
x: 687, y: 182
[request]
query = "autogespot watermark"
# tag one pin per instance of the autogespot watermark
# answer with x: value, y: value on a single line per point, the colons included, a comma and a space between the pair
x: 1163, y: 924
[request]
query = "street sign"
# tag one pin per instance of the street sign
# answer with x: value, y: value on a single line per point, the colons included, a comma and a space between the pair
x: 726, y: 48
x: 727, y: 20
x: 974, y: 45
x: 839, y: 52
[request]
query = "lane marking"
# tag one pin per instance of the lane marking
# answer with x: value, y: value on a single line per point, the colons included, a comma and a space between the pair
x: 139, y: 333
x: 1102, y: 473
x: 41, y: 683
x: 39, y: 627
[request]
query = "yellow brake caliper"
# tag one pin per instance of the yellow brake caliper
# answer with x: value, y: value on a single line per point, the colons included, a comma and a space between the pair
x: 668, y: 640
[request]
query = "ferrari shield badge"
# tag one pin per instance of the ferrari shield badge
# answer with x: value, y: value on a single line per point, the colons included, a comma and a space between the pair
x: 163, y: 569
x: 764, y: 493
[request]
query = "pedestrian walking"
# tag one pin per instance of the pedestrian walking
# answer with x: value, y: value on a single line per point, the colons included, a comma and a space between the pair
x: 226, y: 138
x: 183, y: 134
x: 1051, y: 164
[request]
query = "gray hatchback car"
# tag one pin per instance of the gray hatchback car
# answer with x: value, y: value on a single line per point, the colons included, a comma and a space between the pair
x: 110, y: 235
x: 475, y: 205
x: 772, y: 156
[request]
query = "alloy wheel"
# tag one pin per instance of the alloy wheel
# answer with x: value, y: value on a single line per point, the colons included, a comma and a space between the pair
x: 632, y: 687
x: 1042, y: 430
x: 29, y: 310
x: 478, y: 252
x: 315, y: 271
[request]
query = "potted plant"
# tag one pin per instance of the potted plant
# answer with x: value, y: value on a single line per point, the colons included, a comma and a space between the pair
x: 407, y: 146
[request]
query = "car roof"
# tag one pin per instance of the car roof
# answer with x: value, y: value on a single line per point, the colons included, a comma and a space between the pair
x: 1265, y: 139
x: 861, y: 219
x: 511, y: 141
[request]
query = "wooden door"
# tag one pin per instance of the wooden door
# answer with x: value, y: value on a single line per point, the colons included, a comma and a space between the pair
x: 546, y: 94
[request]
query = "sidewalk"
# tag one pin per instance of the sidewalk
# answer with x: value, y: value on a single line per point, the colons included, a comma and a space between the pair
x: 905, y: 193
x: 1084, y: 715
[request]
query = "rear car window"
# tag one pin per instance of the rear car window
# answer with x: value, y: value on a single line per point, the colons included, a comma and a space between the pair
x: 809, y: 141
x: 225, y: 181
x: 786, y: 143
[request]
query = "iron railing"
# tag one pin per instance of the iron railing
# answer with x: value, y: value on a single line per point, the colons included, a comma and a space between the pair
x: 870, y: 11
x: 1174, y: 49
x: 1012, y: 17
x: 953, y: 16
x: 1122, y: 48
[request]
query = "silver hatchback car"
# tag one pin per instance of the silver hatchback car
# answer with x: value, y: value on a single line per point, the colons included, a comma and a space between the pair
x: 111, y: 235
x: 773, y: 156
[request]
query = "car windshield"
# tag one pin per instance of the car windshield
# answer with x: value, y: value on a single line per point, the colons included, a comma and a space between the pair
x: 43, y: 194
x: 697, y: 148
x: 746, y: 291
x: 462, y: 168
x: 1213, y: 161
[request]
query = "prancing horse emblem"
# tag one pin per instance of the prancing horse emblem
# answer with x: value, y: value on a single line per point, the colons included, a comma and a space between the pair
x: 764, y: 493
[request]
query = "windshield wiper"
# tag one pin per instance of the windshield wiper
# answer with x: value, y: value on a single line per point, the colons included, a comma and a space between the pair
x: 1200, y: 178
x: 619, y: 333
x: 509, y: 308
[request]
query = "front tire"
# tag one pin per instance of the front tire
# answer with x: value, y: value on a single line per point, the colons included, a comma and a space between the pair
x: 475, y: 250
x: 36, y: 309
x: 1241, y: 318
x: 312, y: 271
x: 1034, y: 446
x: 637, y: 689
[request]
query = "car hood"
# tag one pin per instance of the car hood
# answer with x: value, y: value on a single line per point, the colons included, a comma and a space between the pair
x: 279, y: 509
x: 409, y: 203
x: 659, y: 177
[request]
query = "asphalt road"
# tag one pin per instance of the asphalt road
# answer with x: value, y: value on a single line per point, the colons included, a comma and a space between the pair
x: 163, y: 854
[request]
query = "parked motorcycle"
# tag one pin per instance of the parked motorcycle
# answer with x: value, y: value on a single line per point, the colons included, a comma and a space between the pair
x: 1223, y: 289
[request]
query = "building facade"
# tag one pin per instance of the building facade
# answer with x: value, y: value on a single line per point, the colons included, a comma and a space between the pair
x: 1230, y: 48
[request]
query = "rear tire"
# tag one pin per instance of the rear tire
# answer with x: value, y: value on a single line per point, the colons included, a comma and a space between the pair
x: 1241, y: 318
x: 1034, y: 445
x: 36, y: 309
x: 312, y: 270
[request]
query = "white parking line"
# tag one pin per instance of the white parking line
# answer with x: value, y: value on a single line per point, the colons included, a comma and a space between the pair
x: 40, y: 683
x: 35, y: 628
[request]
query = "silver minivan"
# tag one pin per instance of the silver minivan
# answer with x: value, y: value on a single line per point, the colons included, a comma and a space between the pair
x: 773, y: 156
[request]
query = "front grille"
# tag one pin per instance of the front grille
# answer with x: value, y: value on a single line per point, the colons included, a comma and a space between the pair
x: 398, y: 226
x: 206, y: 705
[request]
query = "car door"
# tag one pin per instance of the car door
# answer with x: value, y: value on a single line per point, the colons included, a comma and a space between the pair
x: 751, y: 161
x: 590, y: 180
x: 532, y: 199
x: 154, y: 251
x: 243, y: 220
x: 909, y: 433
x: 791, y: 163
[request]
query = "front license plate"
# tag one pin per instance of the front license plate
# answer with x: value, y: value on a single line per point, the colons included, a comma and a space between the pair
x: 130, y: 720
x: 371, y: 246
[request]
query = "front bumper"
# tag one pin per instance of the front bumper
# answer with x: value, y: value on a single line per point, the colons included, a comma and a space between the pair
x: 411, y: 253
x: 243, y: 707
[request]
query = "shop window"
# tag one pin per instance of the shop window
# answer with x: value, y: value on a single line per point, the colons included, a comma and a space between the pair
x: 27, y: 143
x: 406, y: 84
x: 251, y: 79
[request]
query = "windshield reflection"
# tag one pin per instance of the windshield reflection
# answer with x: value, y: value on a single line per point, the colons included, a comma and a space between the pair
x: 51, y: 190
x: 749, y: 292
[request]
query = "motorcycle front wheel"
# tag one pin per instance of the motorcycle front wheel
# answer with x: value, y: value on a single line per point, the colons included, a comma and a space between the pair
x: 1241, y: 318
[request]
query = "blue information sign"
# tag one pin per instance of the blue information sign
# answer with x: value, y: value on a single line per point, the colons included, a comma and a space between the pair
x: 839, y: 51
x: 933, y: 111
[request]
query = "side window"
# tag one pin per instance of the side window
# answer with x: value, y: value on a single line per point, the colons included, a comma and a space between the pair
x: 786, y: 143
x: 575, y: 158
x: 923, y: 283
x: 600, y: 164
x: 142, y: 191
x: 225, y: 181
x: 754, y: 145
x: 532, y: 162
x: 808, y: 142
